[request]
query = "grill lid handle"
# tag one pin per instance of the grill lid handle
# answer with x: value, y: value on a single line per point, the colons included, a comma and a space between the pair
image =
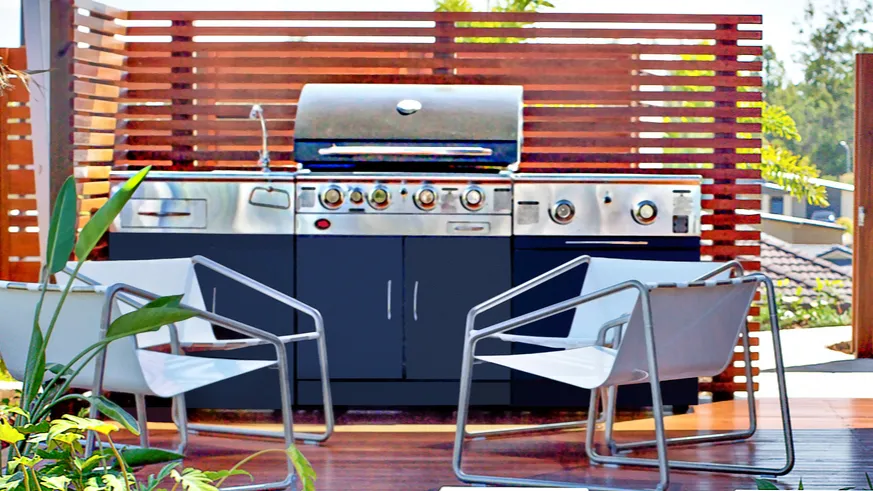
x: 388, y: 150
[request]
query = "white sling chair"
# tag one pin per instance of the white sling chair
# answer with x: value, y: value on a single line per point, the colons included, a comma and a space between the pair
x: 178, y: 276
x: 693, y: 324
x: 590, y: 318
x: 123, y: 366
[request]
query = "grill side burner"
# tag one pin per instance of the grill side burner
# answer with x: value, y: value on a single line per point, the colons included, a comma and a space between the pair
x: 408, y: 128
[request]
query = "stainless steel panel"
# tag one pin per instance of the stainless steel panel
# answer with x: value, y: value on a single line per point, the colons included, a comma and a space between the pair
x: 405, y: 112
x: 405, y: 225
x: 402, y: 189
x: 604, y: 204
x: 216, y: 175
x: 230, y: 205
x: 165, y: 213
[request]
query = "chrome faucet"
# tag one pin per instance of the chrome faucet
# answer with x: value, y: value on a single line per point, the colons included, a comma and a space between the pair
x: 257, y: 112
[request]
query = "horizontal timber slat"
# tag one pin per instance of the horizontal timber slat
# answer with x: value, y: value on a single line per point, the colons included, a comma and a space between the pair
x: 514, y: 50
x: 449, y: 17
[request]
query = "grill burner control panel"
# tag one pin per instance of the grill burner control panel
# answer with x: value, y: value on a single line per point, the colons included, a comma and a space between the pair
x: 394, y: 204
x: 607, y: 205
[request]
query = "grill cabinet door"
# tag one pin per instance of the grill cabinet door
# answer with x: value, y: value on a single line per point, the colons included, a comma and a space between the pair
x: 453, y: 274
x: 347, y: 280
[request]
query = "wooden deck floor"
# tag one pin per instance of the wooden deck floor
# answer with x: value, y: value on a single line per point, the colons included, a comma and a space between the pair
x: 833, y: 441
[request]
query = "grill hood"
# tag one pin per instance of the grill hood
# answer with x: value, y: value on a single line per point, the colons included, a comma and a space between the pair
x: 359, y: 124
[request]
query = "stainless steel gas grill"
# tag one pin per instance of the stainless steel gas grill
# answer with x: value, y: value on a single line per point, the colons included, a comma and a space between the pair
x: 408, y: 128
x: 400, y: 232
x: 558, y: 217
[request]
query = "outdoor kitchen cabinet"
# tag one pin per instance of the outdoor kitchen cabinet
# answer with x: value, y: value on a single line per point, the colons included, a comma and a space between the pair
x: 356, y: 284
x: 444, y: 278
x: 265, y: 258
x: 400, y: 345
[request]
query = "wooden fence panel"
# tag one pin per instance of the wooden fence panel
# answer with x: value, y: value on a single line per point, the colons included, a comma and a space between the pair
x: 19, y: 237
x: 603, y: 92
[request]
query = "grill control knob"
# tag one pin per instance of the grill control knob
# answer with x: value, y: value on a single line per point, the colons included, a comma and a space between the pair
x: 473, y: 198
x: 356, y: 196
x: 425, y: 198
x: 563, y: 212
x: 332, y: 197
x: 645, y: 212
x: 380, y: 198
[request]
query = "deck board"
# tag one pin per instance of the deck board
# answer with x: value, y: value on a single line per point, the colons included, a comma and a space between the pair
x: 833, y: 440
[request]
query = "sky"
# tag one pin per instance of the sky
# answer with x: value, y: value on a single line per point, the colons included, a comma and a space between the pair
x: 779, y: 15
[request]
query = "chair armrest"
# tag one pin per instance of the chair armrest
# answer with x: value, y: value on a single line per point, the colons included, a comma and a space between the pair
x: 554, y: 309
x: 734, y: 265
x: 219, y: 320
x: 264, y: 289
x: 518, y: 290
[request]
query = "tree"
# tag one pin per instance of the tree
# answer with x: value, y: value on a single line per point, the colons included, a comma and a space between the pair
x: 823, y: 102
x: 502, y: 6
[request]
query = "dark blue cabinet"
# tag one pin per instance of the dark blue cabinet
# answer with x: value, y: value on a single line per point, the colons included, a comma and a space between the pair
x: 357, y: 285
x: 272, y: 264
x: 444, y: 278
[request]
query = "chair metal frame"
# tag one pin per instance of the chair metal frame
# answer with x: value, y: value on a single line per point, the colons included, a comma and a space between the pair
x: 179, y: 407
x: 117, y: 292
x: 660, y: 442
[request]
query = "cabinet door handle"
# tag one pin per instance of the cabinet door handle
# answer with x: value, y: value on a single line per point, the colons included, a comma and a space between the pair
x: 389, y: 300
x: 415, y: 301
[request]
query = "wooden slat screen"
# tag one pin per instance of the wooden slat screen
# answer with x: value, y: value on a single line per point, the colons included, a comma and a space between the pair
x: 19, y: 236
x: 603, y: 92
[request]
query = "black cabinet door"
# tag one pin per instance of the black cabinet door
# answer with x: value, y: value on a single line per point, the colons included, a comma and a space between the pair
x: 265, y: 258
x: 356, y: 284
x: 444, y: 278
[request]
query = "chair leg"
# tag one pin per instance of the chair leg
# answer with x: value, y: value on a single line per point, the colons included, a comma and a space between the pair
x: 287, y: 429
x: 142, y: 419
x: 784, y: 408
x: 460, y: 433
x: 329, y: 419
x: 711, y: 438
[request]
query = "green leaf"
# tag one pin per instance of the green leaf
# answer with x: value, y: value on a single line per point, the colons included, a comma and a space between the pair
x: 762, y: 484
x: 223, y: 474
x: 147, y: 319
x: 99, y: 223
x: 138, y: 457
x: 30, y: 429
x: 168, y: 301
x: 304, y: 469
x: 193, y: 480
x: 62, y: 228
x: 9, y: 434
x: 58, y: 483
x: 116, y: 413
x: 155, y: 481
x: 869, y: 482
x: 800, y: 486
x: 35, y: 367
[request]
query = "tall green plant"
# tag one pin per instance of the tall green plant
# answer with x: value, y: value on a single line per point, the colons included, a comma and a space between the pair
x: 48, y: 455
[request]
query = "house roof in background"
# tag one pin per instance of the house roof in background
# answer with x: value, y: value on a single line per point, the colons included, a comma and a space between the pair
x: 801, y: 268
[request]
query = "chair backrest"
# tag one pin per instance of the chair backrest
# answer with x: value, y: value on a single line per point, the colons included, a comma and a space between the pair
x: 696, y: 330
x: 605, y: 272
x: 77, y: 328
x: 162, y: 277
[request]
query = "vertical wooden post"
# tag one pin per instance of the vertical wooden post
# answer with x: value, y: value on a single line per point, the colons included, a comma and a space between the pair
x: 728, y: 376
x: 61, y: 164
x: 180, y: 163
x: 862, y: 262
x: 4, y: 182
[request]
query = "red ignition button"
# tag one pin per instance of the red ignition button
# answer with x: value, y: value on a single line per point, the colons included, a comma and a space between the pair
x: 322, y: 224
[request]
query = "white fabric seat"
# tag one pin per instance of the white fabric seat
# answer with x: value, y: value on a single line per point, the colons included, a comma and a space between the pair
x: 176, y: 276
x: 677, y: 328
